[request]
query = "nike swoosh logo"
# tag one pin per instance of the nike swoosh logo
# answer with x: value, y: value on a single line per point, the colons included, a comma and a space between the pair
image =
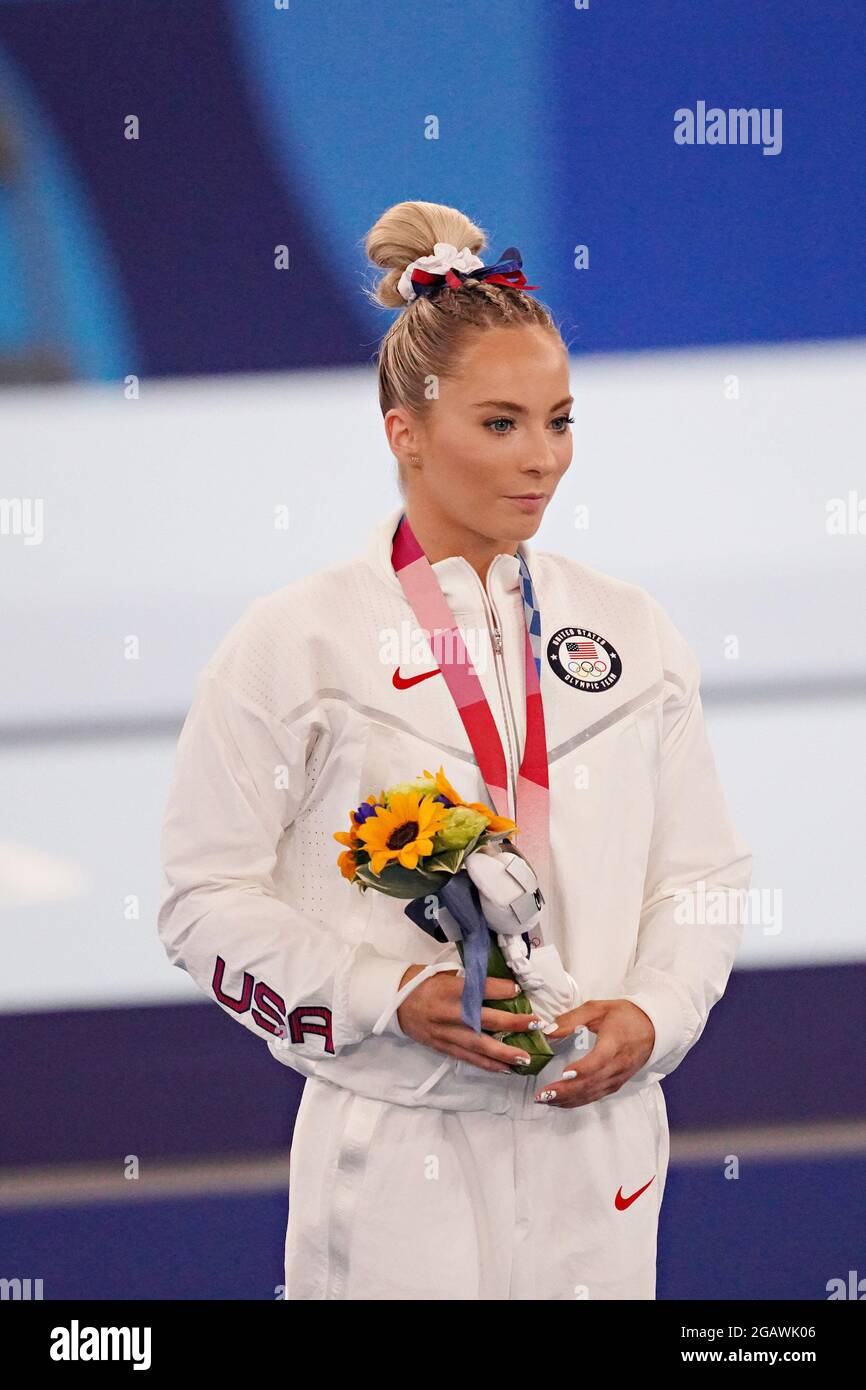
x: 622, y: 1202
x: 403, y: 682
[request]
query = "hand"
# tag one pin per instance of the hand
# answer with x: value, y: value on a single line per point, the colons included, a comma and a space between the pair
x: 625, y: 1039
x: 431, y: 1015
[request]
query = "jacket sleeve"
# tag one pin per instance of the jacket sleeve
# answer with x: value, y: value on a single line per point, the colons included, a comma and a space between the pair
x: 698, y: 873
x: 239, y: 779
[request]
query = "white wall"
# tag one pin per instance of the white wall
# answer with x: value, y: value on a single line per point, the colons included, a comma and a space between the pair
x: 158, y: 514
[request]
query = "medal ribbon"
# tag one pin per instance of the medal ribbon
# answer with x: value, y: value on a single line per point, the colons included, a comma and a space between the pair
x: 532, y: 809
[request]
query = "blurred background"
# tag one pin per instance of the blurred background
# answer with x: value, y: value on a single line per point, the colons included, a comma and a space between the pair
x: 185, y: 350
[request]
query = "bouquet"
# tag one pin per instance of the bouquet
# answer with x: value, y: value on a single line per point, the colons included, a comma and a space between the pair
x: 413, y: 841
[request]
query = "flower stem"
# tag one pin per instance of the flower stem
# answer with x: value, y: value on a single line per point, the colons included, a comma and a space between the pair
x: 535, y: 1044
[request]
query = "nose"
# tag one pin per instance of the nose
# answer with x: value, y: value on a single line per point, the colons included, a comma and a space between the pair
x: 545, y: 462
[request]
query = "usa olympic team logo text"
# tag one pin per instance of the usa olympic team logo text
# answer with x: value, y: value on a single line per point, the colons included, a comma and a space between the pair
x: 583, y: 659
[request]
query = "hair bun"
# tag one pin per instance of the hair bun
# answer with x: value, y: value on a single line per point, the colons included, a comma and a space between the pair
x: 408, y: 231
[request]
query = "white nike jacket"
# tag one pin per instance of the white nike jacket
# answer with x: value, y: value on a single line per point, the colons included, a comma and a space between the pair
x: 323, y: 692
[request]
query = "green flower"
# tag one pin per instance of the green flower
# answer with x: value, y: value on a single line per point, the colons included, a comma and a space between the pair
x: 462, y: 824
x: 424, y: 786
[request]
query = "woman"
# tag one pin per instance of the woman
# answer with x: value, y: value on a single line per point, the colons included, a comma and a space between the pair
x: 424, y: 1164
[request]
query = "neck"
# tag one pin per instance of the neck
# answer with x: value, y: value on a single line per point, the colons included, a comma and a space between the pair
x: 440, y: 537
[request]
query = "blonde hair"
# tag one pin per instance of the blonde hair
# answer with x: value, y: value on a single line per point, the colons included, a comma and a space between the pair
x: 424, y: 341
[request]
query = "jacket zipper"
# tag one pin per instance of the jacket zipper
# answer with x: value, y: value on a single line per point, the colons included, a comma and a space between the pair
x: 504, y: 693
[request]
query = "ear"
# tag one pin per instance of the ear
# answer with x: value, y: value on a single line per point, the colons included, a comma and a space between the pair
x: 401, y: 432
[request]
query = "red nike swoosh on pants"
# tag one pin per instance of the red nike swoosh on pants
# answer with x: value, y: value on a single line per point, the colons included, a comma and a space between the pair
x: 622, y: 1202
x: 403, y: 682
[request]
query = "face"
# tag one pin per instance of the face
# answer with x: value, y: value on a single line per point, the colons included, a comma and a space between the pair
x: 499, y: 431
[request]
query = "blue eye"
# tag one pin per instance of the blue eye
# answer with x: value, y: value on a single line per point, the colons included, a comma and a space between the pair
x: 563, y: 420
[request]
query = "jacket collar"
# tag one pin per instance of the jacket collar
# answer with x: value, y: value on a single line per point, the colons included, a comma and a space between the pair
x: 459, y: 582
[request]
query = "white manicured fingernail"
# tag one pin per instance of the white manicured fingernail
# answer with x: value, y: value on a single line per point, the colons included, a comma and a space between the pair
x: 546, y: 1095
x: 535, y: 1024
x: 568, y: 1076
x: 550, y: 1027
x: 521, y: 1062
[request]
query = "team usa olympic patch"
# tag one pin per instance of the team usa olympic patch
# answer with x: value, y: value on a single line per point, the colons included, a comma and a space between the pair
x: 583, y: 659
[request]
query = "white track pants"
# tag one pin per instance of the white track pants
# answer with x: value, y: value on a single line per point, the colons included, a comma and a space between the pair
x: 398, y: 1202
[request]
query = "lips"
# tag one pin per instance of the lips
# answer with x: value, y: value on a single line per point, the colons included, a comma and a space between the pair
x: 529, y: 505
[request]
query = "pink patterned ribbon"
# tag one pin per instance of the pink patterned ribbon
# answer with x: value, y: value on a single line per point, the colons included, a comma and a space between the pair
x: 532, y: 810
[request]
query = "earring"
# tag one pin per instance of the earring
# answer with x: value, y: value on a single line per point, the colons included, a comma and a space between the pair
x: 414, y: 459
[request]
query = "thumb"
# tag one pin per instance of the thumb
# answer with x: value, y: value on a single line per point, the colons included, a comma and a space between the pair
x: 582, y: 1017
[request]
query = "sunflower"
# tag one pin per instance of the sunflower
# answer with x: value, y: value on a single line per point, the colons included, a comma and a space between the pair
x: 444, y: 788
x: 402, y: 831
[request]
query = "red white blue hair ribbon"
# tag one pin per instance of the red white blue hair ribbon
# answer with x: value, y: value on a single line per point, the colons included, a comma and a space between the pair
x: 423, y: 277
